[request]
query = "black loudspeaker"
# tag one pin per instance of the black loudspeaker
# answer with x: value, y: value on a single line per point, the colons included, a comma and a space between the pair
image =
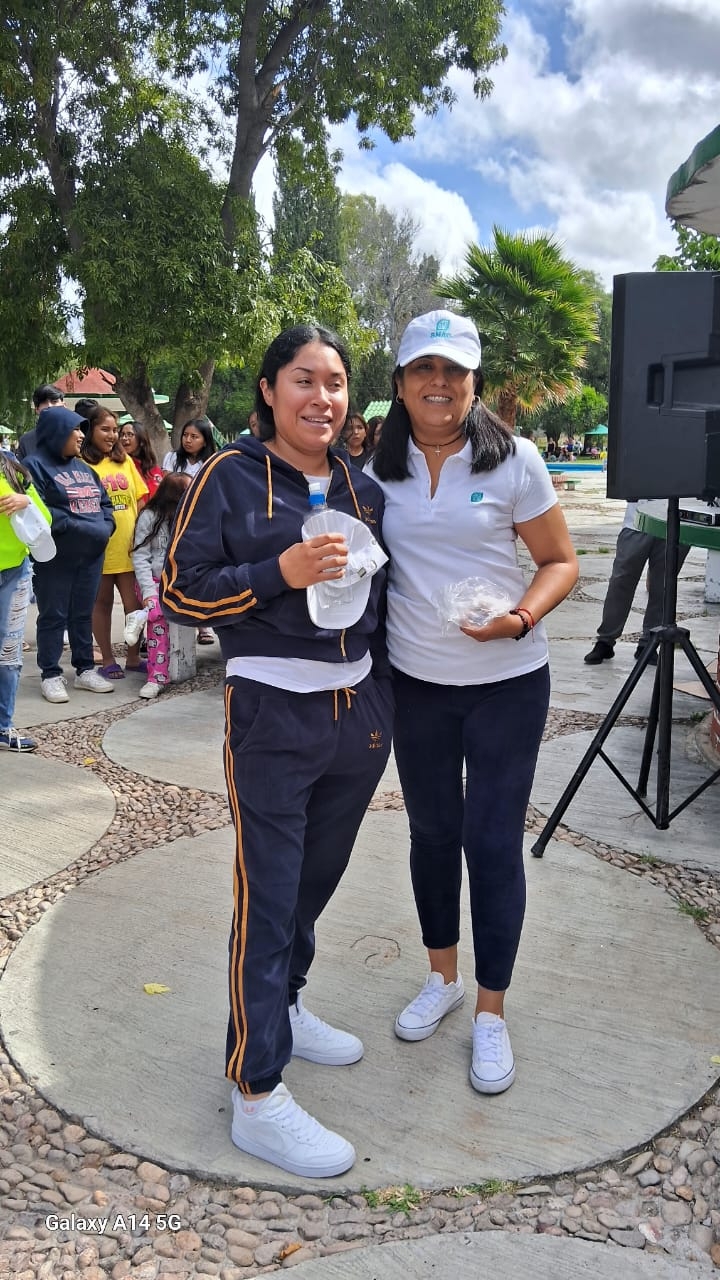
x: 664, y: 415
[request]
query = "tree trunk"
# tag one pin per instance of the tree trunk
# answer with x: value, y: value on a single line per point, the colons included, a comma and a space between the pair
x: 507, y: 406
x: 136, y: 394
x: 190, y: 401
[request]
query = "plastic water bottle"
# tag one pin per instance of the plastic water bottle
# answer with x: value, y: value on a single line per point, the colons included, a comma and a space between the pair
x: 31, y: 528
x: 322, y: 519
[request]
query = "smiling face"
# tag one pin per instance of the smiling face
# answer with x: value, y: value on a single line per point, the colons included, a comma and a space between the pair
x: 104, y: 434
x: 309, y: 402
x: 437, y: 394
x: 71, y: 448
x: 193, y: 441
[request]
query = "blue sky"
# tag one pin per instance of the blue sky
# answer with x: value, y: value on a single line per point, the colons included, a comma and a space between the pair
x: 597, y: 104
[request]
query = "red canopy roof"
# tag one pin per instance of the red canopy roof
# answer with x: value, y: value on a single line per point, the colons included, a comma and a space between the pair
x: 91, y: 382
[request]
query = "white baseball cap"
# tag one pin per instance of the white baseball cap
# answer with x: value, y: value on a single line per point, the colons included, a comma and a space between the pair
x: 441, y: 333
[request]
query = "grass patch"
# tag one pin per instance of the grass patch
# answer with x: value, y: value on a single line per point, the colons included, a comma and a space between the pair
x: 699, y: 914
x: 649, y: 860
x: 394, y: 1199
x: 493, y: 1187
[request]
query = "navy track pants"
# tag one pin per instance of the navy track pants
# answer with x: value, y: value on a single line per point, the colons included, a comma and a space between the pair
x: 301, y: 769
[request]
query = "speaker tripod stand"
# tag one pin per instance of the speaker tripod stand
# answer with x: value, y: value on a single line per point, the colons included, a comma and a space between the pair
x: 665, y: 639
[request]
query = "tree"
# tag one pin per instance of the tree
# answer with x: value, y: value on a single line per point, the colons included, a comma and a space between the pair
x: 575, y: 416
x: 535, y: 315
x: 389, y: 281
x: 694, y: 252
x: 84, y: 82
x: 306, y: 205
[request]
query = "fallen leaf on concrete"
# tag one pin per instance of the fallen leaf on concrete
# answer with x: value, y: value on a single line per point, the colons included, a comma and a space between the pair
x: 155, y: 989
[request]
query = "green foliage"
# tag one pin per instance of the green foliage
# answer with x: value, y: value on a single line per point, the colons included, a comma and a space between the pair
x: 153, y: 264
x: 167, y: 259
x: 373, y: 378
x: 389, y: 281
x: 33, y: 316
x: 575, y: 416
x: 699, y: 914
x: 535, y: 313
x: 306, y: 206
x: 694, y: 252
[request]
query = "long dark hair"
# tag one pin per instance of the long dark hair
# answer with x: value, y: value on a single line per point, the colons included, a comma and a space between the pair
x: 204, y: 426
x: 88, y: 451
x: 164, y: 503
x: 145, y: 455
x: 491, y: 439
x: 281, y: 352
x: 14, y: 472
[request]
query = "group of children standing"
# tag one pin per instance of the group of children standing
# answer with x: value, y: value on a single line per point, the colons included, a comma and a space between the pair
x: 110, y: 507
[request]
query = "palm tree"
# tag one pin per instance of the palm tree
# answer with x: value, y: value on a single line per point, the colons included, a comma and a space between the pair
x: 535, y: 313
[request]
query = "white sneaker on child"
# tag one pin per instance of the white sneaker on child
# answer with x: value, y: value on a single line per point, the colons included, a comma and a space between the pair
x: 134, y: 623
x: 276, y: 1129
x: 149, y: 690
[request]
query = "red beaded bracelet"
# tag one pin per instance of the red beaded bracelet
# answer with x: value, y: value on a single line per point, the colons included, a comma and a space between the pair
x: 527, y: 620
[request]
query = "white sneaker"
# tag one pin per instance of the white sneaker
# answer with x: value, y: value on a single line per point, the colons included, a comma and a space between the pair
x: 492, y: 1069
x: 54, y: 689
x: 134, y: 623
x: 93, y: 682
x: 317, y: 1041
x: 149, y: 690
x: 423, y: 1015
x: 279, y: 1131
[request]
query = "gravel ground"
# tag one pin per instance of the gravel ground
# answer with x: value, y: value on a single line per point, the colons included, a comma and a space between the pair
x: 73, y: 1205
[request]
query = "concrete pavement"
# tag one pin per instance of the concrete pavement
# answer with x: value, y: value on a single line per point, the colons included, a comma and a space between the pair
x: 614, y: 1010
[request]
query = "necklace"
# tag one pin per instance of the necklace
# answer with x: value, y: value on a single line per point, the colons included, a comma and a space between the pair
x: 437, y: 447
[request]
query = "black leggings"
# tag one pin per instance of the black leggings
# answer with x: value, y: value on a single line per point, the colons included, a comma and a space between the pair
x: 495, y: 730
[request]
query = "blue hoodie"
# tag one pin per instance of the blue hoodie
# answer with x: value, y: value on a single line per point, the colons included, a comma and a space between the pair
x: 82, y: 516
x: 241, y: 512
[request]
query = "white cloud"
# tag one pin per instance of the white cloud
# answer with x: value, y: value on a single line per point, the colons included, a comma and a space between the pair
x: 595, y: 144
x: 446, y: 223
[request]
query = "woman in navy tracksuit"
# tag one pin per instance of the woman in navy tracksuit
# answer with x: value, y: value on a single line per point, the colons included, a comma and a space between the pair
x: 308, y: 716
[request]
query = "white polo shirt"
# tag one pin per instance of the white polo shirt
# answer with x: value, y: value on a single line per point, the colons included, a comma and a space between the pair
x: 465, y: 530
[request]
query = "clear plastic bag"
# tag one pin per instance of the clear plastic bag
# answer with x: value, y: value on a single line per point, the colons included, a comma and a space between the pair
x: 472, y: 602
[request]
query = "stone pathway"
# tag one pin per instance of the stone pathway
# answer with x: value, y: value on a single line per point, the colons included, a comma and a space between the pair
x: 73, y: 1204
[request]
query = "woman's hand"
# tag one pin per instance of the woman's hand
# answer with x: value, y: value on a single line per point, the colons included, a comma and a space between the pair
x: 504, y: 628
x: 320, y: 559
x: 13, y: 502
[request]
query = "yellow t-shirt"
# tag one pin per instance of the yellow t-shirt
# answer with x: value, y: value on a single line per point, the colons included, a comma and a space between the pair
x: 124, y: 487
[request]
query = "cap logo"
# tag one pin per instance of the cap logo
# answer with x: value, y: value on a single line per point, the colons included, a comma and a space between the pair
x: 441, y: 330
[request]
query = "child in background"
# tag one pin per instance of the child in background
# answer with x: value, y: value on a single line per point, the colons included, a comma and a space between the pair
x: 196, y: 446
x: 82, y: 522
x: 135, y: 441
x: 16, y: 493
x: 152, y: 536
x: 127, y: 491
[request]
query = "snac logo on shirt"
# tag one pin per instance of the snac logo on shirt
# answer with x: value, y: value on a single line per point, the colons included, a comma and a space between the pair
x: 477, y: 496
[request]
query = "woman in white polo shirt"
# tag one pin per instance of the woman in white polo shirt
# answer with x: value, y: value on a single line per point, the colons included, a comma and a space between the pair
x: 459, y: 491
